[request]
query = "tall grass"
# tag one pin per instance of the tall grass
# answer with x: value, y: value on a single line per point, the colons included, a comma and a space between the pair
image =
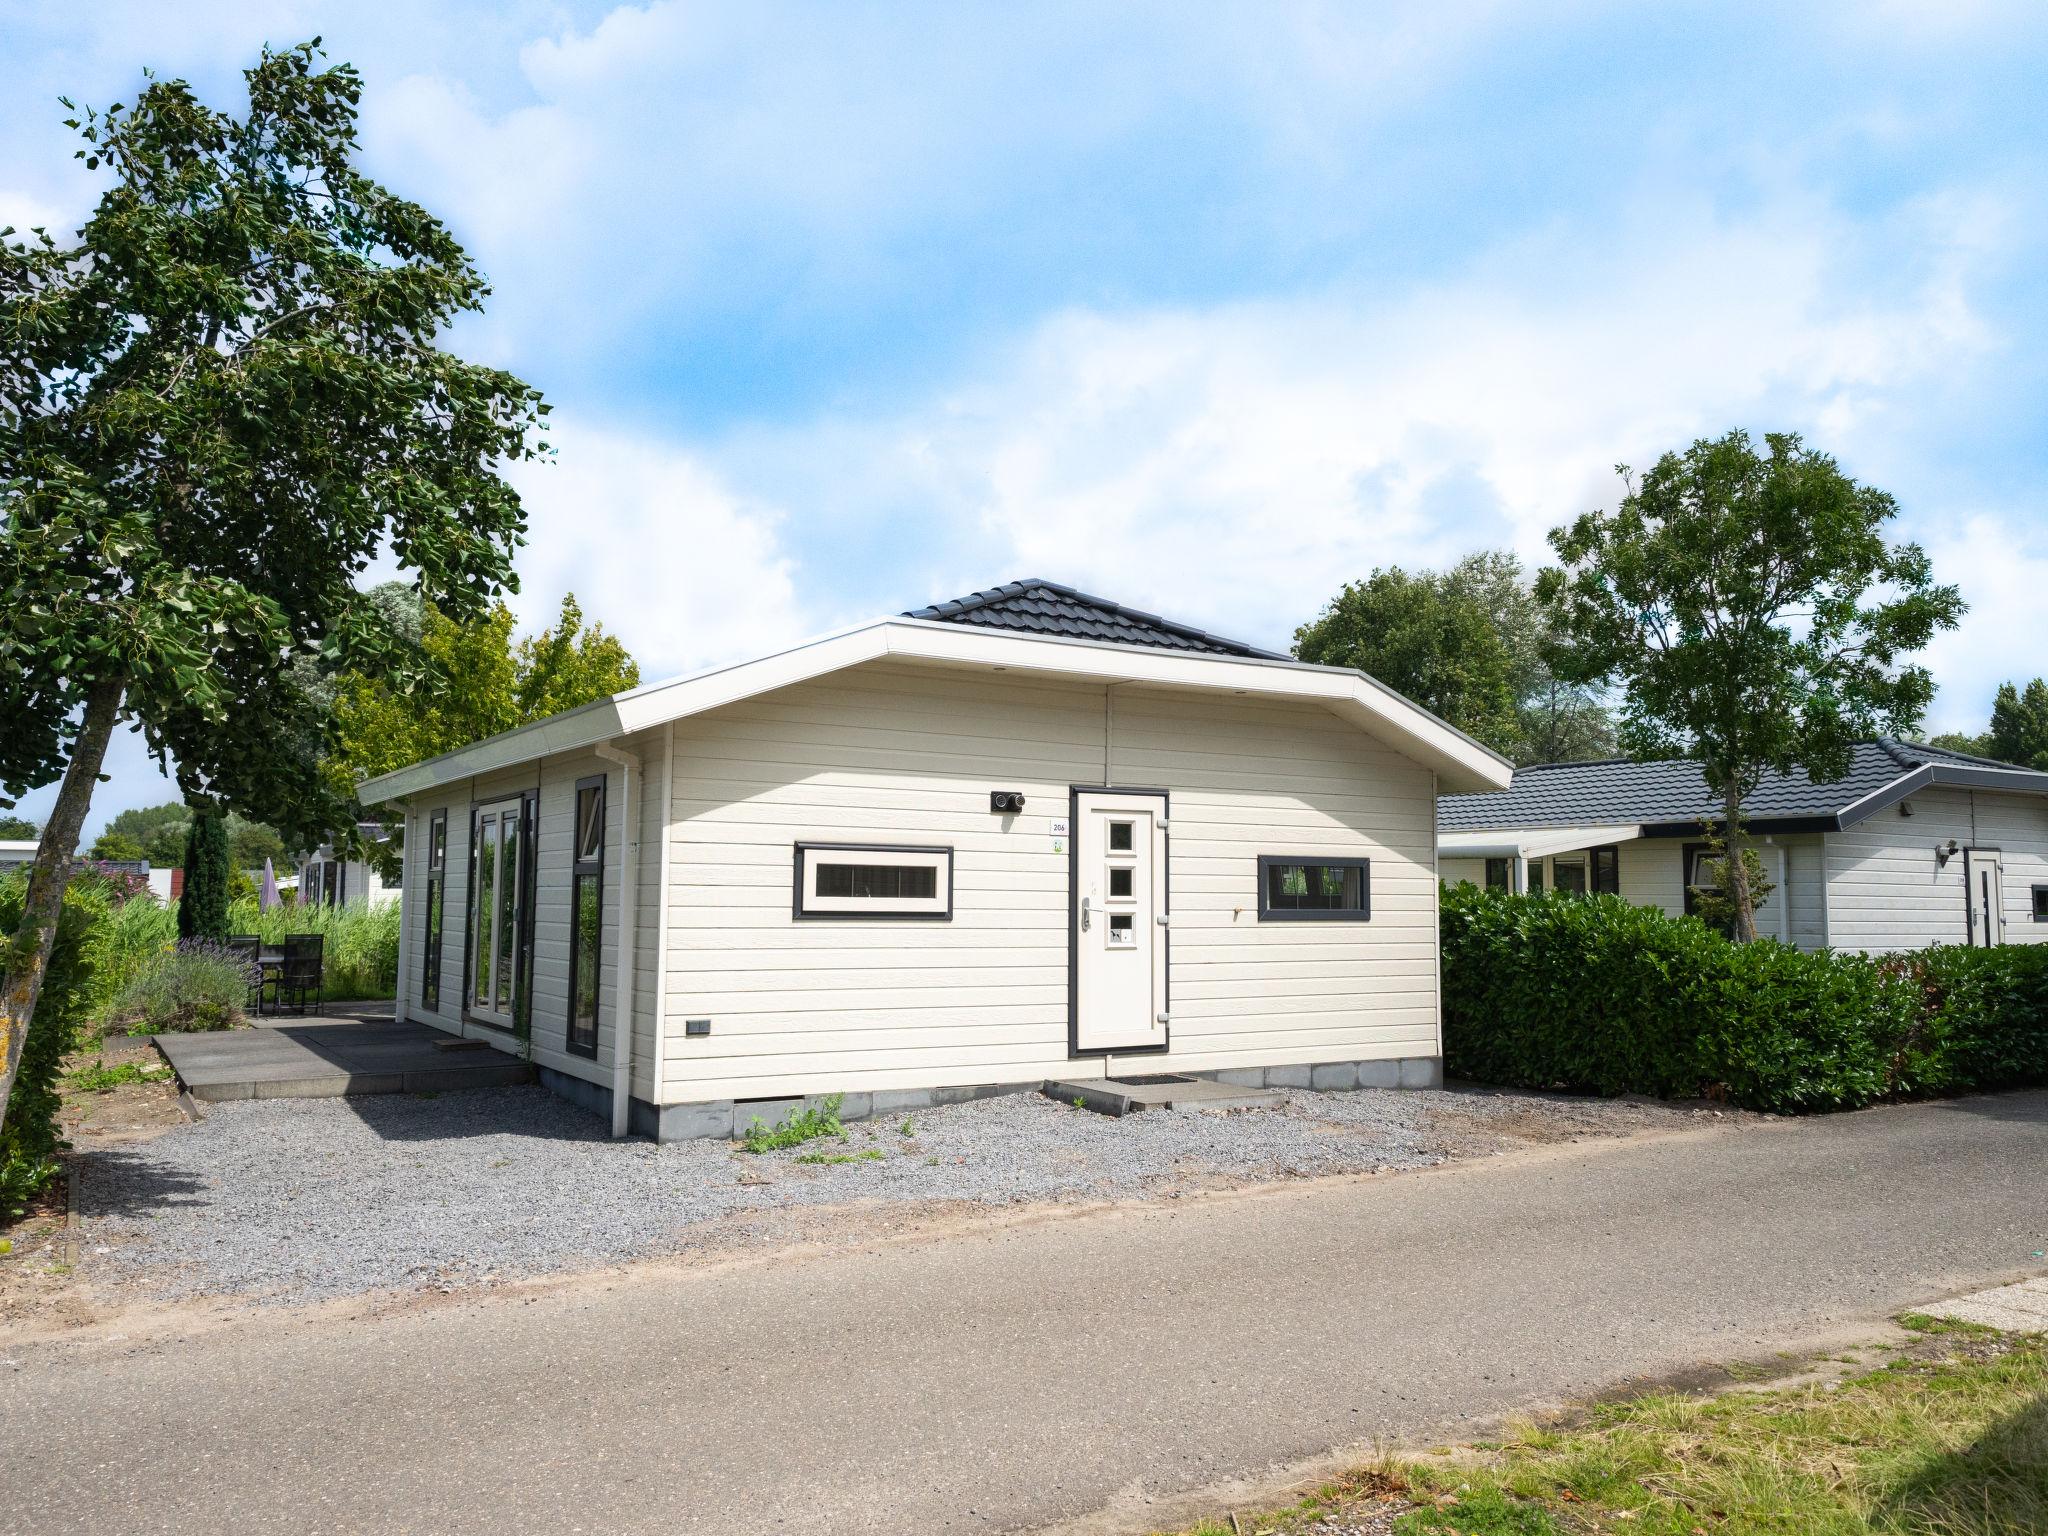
x: 360, y: 956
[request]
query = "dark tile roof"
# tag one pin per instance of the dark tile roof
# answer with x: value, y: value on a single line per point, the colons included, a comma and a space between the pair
x: 1038, y: 607
x: 1618, y: 791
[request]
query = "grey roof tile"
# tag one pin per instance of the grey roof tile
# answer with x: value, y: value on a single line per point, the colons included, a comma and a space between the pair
x: 1619, y: 791
x: 1039, y: 607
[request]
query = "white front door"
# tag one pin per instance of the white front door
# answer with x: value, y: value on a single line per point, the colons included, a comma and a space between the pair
x: 1120, y: 908
x: 1983, y: 870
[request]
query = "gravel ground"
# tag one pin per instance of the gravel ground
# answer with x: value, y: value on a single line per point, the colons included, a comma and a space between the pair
x: 299, y: 1199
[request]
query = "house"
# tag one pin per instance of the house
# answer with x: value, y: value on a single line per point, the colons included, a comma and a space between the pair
x: 16, y: 852
x: 1914, y: 846
x: 1020, y: 836
x: 326, y: 878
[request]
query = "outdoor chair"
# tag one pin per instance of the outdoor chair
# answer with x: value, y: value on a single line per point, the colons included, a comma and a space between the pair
x: 248, y: 949
x: 301, y: 972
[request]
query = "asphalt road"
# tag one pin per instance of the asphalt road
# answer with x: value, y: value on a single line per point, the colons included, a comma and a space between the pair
x: 1022, y: 1375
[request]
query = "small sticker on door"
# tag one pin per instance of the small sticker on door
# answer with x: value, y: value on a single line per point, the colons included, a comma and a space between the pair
x: 1121, y: 933
x: 1059, y: 845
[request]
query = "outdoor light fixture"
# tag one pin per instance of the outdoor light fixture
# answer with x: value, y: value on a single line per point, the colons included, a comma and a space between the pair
x: 1943, y: 852
x: 1005, y: 802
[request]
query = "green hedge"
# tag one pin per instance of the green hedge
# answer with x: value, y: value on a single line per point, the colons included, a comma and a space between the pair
x: 70, y: 995
x: 1595, y: 995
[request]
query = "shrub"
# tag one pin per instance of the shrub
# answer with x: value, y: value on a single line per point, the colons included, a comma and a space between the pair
x: 1596, y: 995
x: 203, y: 909
x: 29, y: 1139
x: 198, y: 985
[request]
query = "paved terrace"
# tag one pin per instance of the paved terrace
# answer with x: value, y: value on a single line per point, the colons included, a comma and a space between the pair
x: 360, y: 1050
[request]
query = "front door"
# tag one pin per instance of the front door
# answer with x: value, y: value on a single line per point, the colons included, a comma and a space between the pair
x: 1982, y: 870
x: 496, y: 911
x: 1119, y: 921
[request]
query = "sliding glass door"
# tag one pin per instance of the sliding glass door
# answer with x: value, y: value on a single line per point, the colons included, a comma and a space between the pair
x: 501, y: 865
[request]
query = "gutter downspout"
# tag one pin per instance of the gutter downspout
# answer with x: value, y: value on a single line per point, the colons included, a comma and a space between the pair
x: 659, y: 1065
x: 629, y: 921
x: 405, y: 888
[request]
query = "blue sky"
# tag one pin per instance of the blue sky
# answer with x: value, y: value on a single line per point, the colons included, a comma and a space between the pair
x: 1208, y: 308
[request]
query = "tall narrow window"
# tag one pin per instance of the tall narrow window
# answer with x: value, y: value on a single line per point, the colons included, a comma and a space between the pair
x: 586, y: 916
x: 1500, y: 874
x: 1606, y: 871
x: 436, y: 883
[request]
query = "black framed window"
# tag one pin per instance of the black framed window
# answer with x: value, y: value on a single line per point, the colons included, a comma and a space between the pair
x: 851, y: 880
x: 436, y: 886
x: 586, y: 916
x: 1311, y: 888
x: 1536, y: 876
x: 2041, y: 903
x: 1500, y: 874
x: 1568, y: 876
x: 1606, y: 869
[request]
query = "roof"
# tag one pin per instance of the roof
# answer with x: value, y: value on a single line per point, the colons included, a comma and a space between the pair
x: 1040, y: 607
x: 1623, y: 792
x: 1025, y: 627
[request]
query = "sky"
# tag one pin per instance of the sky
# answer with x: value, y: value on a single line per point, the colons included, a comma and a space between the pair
x: 1206, y: 308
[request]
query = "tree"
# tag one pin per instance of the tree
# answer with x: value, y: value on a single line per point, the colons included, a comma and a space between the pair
x: 1426, y: 640
x: 203, y: 904
x: 251, y: 842
x: 18, y: 829
x: 478, y: 683
x: 2019, y: 725
x: 159, y: 830
x: 1467, y: 644
x: 117, y: 848
x: 1729, y: 595
x: 218, y: 403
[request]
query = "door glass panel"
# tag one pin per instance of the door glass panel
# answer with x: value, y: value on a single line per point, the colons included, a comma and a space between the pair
x: 483, y: 907
x: 508, y: 908
x: 1120, y: 882
x: 1121, y: 934
x: 1119, y: 837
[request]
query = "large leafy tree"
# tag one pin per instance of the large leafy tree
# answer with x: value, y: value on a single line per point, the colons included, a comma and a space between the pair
x: 1468, y: 645
x: 158, y: 830
x: 1748, y: 604
x: 219, y: 402
x: 2019, y: 728
x: 478, y: 681
x: 19, y: 829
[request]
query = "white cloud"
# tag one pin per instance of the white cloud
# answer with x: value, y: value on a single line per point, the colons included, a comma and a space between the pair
x: 657, y: 548
x: 1234, y: 464
x: 2002, y: 567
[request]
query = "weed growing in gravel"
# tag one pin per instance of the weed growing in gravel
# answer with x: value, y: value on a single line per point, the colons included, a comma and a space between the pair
x: 821, y: 1119
x: 101, y: 1078
x: 905, y: 1129
x: 871, y: 1155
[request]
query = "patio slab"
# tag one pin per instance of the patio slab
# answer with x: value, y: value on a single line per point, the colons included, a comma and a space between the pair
x: 1127, y: 1096
x: 324, y: 1058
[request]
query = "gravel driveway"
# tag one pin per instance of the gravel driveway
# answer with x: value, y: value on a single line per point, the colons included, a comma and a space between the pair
x: 299, y: 1199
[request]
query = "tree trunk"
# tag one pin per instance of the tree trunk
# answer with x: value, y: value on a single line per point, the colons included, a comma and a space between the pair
x: 1737, y: 866
x: 29, y: 958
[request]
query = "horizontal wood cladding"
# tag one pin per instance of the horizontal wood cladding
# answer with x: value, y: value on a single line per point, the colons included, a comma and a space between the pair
x: 891, y: 753
x: 1887, y: 890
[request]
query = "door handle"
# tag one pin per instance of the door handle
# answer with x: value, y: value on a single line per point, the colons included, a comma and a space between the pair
x: 1084, y: 914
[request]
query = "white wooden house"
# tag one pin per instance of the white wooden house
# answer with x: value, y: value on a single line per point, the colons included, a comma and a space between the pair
x: 1914, y: 846
x: 1024, y: 835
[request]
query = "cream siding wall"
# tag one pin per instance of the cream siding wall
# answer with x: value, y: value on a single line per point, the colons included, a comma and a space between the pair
x: 1472, y: 871
x: 555, y: 778
x: 1886, y: 890
x: 892, y: 754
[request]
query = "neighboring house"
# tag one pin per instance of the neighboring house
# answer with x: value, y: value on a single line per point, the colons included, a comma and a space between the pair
x: 1914, y: 846
x: 326, y: 879
x: 15, y: 852
x: 1021, y: 836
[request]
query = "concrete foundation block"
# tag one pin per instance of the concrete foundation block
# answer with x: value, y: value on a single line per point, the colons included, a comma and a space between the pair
x: 770, y: 1112
x: 1288, y: 1077
x: 888, y: 1103
x: 1241, y: 1077
x: 1422, y: 1072
x: 695, y: 1122
x: 852, y: 1106
x: 1334, y: 1076
x: 1379, y: 1074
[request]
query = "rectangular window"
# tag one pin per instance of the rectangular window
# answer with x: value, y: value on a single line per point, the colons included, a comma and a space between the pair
x: 1536, y: 876
x: 437, y: 882
x: 2041, y: 903
x: 1606, y: 871
x: 1311, y: 888
x: 849, y: 880
x: 1499, y: 874
x: 586, y: 916
x: 1569, y: 876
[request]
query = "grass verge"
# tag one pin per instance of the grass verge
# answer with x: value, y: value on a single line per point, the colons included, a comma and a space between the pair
x: 1948, y: 1439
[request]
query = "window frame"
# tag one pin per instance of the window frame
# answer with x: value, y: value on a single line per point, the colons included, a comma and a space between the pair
x: 871, y: 909
x: 1582, y: 862
x: 1272, y: 914
x: 435, y: 938
x: 1507, y: 876
x: 1608, y: 884
x: 2041, y: 903
x: 579, y: 868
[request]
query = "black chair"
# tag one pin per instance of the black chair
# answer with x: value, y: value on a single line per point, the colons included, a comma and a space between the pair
x: 248, y: 948
x: 301, y: 971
